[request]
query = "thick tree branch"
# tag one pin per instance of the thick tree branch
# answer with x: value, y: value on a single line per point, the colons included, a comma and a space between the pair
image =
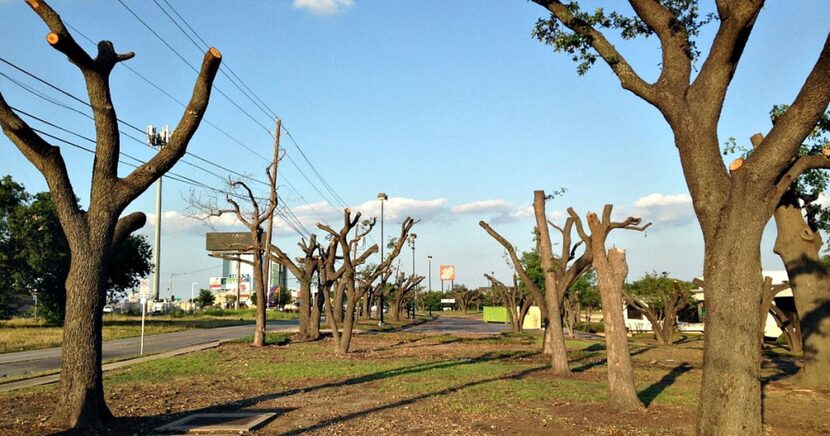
x: 517, y: 265
x: 127, y: 225
x: 790, y: 130
x: 141, y: 178
x: 626, y: 74
x: 674, y: 42
x: 708, y: 90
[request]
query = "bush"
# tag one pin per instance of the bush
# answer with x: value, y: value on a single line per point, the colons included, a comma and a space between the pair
x: 590, y: 327
x: 782, y: 340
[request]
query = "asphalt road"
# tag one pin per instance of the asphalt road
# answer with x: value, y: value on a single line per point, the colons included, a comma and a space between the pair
x: 15, y: 364
x: 452, y: 325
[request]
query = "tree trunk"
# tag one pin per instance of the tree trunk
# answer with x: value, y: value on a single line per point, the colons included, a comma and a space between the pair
x: 81, y: 390
x: 339, y: 294
x: 611, y: 273
x: 798, y: 246
x: 261, y: 300
x: 316, y: 315
x: 348, y: 327
x: 730, y: 389
x: 305, y: 308
x: 547, y: 342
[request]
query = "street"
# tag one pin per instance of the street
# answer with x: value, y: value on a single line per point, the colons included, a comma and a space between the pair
x: 36, y: 361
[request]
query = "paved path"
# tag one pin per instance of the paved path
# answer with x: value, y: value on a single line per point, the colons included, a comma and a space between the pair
x: 453, y: 325
x: 21, y: 363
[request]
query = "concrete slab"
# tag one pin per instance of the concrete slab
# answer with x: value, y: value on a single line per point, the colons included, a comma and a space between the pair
x: 217, y: 422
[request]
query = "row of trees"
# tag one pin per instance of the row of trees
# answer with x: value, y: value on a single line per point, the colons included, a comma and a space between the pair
x: 733, y: 204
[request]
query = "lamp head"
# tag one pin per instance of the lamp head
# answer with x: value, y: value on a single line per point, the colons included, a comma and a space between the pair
x: 382, y: 196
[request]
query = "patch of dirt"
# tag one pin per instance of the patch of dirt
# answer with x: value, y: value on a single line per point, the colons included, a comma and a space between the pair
x: 387, y: 402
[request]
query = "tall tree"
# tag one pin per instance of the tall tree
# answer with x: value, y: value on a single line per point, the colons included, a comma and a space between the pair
x: 733, y: 204
x: 611, y: 268
x: 659, y: 297
x: 403, y: 286
x: 253, y: 216
x: 13, y: 197
x: 93, y: 233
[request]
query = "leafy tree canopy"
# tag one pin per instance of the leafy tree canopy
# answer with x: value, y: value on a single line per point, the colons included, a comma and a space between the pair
x: 654, y: 289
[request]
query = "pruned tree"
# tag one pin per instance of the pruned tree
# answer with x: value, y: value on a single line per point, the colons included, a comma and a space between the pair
x: 576, y: 294
x: 514, y: 299
x: 93, y: 234
x: 659, y: 298
x: 357, y: 285
x: 612, y: 269
x: 732, y: 204
x: 403, y: 286
x: 304, y: 270
x: 464, y: 297
x: 253, y: 216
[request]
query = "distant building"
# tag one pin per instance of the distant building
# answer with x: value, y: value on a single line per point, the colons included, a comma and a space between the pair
x: 693, y: 318
x: 225, y: 287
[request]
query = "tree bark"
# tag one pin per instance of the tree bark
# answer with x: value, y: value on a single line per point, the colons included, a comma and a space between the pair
x: 798, y: 245
x: 261, y: 300
x: 611, y: 272
x: 81, y: 388
x: 732, y: 355
x: 559, y: 353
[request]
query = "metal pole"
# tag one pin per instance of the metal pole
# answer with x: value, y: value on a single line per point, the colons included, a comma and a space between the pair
x: 238, y: 279
x: 383, y: 272
x: 192, y: 286
x: 157, y: 242
x: 429, y: 259
x: 143, y: 311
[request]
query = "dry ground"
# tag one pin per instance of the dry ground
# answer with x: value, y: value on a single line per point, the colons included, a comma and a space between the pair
x: 399, y: 383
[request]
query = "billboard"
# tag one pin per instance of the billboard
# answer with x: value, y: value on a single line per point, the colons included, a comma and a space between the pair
x: 230, y: 241
x: 447, y: 272
x: 217, y: 283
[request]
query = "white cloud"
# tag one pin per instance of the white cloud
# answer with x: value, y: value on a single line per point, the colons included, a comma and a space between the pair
x: 397, y: 208
x: 323, y: 7
x: 176, y: 222
x: 666, y: 209
x: 482, y: 207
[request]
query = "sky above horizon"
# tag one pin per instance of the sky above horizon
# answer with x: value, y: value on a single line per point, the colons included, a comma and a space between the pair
x: 451, y: 108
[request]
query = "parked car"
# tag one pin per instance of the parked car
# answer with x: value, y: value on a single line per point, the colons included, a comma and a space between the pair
x: 108, y: 309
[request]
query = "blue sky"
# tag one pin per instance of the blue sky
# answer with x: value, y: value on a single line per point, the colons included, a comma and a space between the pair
x: 451, y: 108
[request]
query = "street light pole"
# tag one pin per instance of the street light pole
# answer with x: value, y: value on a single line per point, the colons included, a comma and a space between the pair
x: 429, y: 260
x: 192, y: 288
x: 382, y: 197
x: 412, y: 237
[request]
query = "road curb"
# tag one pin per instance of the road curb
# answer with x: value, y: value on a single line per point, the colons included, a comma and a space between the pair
x: 53, y: 378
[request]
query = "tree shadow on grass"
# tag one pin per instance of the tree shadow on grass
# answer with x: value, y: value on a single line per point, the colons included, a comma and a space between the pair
x: 143, y: 424
x: 648, y: 394
x: 600, y: 362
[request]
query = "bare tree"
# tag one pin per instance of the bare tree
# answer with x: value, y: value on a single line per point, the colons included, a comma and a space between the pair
x: 464, y: 296
x: 611, y: 269
x: 401, y: 289
x: 252, y: 216
x: 514, y: 299
x: 92, y: 234
x: 357, y: 285
x: 303, y: 269
x: 732, y: 204
x: 659, y: 298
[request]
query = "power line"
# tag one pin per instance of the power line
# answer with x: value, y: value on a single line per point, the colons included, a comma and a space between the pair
x: 258, y: 102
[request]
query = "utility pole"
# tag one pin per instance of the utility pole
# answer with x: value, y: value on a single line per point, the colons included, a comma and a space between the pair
x: 429, y: 260
x: 412, y: 237
x: 266, y: 263
x: 157, y: 140
x: 382, y: 197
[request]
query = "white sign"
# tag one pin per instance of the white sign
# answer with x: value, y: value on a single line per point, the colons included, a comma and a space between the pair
x: 144, y: 288
x: 448, y: 300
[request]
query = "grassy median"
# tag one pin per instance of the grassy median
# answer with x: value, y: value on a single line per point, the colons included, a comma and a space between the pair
x: 404, y: 383
x: 22, y: 334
